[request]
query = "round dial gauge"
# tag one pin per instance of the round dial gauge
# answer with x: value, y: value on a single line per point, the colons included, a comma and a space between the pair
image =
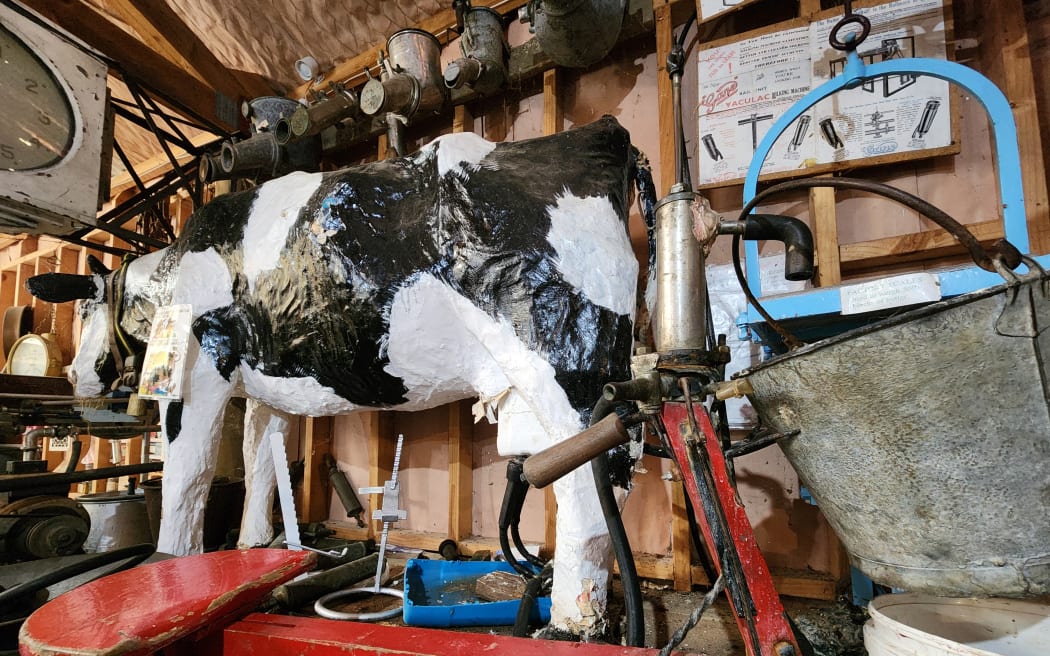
x: 34, y: 355
x: 36, y: 125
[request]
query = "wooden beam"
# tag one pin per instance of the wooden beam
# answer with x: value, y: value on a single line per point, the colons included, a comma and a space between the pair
x: 826, y: 235
x: 552, y: 124
x: 382, y: 445
x: 681, y: 551
x: 163, y: 31
x: 179, y: 88
x: 316, y: 492
x: 1006, y: 59
x: 665, y: 105
x: 460, y: 470
x: 925, y: 245
x: 462, y: 119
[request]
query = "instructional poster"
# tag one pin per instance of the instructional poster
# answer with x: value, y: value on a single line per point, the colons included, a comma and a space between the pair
x: 165, y: 359
x: 745, y: 86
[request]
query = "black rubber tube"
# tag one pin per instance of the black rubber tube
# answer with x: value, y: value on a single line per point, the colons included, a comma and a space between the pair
x: 982, y: 257
x: 632, y: 592
x: 797, y: 238
x: 136, y: 553
x: 515, y: 536
x: 533, y: 591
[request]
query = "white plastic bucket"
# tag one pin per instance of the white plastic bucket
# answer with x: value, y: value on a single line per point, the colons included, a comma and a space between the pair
x: 919, y: 625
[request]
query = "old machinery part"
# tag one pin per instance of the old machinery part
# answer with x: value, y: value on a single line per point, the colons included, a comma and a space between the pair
x: 309, y: 120
x: 308, y: 69
x: 210, y: 168
x: 397, y: 93
x: 42, y: 527
x: 260, y: 152
x: 389, y: 513
x: 728, y: 535
x: 576, y: 33
x: 796, y: 236
x: 411, y: 82
x: 264, y: 112
x: 483, y: 64
x: 344, y: 490
x: 510, y: 514
x: 679, y: 321
x: 418, y: 54
x: 543, y: 468
x: 29, y: 482
x: 298, y: 593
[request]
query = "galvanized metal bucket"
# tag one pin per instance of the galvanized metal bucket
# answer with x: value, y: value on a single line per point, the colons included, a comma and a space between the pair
x: 925, y: 439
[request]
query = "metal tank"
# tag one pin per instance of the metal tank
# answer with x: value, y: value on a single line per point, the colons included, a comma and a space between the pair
x: 925, y: 439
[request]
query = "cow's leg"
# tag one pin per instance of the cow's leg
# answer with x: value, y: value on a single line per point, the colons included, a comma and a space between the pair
x: 260, y: 479
x: 192, y: 431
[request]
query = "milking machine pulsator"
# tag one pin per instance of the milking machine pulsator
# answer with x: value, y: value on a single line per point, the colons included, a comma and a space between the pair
x: 688, y: 365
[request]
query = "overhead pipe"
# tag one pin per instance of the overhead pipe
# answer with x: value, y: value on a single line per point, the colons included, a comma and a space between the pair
x: 483, y: 64
x: 260, y: 152
x: 576, y: 33
x: 341, y: 104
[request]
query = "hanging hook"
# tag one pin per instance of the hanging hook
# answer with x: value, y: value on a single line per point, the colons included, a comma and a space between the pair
x: 851, y: 40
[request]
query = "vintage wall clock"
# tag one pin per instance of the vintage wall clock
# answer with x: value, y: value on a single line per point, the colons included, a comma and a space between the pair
x: 53, y: 161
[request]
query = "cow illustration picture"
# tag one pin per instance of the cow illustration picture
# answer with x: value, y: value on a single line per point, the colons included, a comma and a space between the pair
x: 469, y: 269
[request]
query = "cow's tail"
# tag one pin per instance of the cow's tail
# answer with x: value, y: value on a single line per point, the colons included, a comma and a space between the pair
x: 643, y: 180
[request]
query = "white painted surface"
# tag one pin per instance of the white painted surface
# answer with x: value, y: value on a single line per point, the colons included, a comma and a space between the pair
x: 94, y: 342
x: 260, y: 476
x: 189, y: 464
x: 203, y: 281
x: 273, y: 213
x: 275, y: 439
x: 593, y: 251
x: 462, y: 150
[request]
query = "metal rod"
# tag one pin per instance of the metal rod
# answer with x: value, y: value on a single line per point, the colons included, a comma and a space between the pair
x: 24, y: 482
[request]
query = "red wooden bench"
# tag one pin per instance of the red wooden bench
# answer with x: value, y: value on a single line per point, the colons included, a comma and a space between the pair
x: 150, y: 607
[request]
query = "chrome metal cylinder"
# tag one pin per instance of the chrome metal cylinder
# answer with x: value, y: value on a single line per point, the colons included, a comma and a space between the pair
x: 681, y: 292
x: 418, y: 54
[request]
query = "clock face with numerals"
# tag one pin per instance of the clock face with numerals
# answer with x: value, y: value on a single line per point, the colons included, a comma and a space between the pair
x: 36, y: 124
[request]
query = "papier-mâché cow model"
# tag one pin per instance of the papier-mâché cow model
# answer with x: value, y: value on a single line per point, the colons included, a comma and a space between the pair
x: 467, y: 269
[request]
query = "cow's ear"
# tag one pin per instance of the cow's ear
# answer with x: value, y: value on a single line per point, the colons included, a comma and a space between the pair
x: 62, y: 287
x: 96, y: 266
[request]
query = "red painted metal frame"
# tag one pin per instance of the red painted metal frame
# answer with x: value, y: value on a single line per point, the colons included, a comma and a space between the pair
x: 698, y: 451
x: 280, y: 635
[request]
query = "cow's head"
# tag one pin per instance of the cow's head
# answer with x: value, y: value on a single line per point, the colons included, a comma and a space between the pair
x: 94, y: 370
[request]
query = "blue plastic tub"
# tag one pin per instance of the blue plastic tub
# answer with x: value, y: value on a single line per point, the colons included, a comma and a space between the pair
x: 441, y: 593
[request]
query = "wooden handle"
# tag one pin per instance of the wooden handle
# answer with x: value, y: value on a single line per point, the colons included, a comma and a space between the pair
x: 552, y: 463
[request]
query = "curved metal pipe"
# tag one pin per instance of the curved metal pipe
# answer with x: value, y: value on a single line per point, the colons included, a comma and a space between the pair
x: 797, y: 238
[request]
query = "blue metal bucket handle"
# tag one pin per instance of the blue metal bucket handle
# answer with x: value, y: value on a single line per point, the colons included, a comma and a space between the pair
x: 856, y: 73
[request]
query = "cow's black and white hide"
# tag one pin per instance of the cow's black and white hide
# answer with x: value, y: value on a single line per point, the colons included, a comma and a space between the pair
x: 502, y: 271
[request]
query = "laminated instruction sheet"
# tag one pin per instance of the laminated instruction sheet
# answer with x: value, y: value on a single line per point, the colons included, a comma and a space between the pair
x: 745, y: 86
